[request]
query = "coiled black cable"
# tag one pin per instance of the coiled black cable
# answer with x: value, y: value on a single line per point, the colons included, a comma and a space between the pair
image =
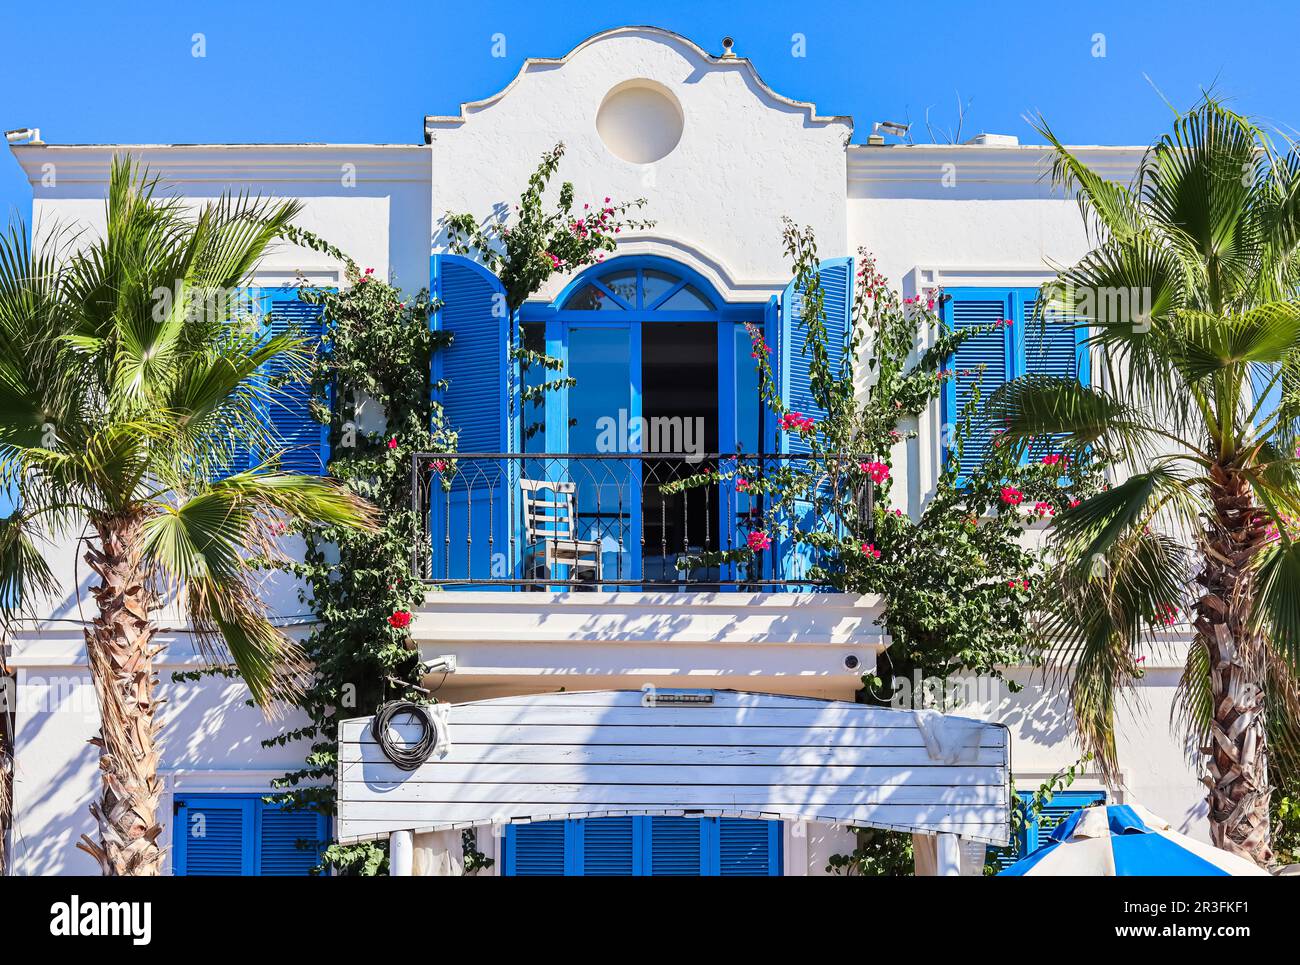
x: 406, y: 756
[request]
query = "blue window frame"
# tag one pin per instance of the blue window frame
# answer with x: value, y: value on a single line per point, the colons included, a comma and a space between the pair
x: 240, y: 834
x: 657, y: 845
x: 1051, y: 345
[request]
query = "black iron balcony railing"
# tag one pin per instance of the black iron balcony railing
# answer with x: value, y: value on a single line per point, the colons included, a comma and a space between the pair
x: 618, y: 521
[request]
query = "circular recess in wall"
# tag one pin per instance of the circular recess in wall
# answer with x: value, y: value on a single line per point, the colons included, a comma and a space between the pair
x: 640, y: 121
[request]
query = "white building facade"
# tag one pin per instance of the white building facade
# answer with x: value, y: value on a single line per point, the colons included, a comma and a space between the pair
x: 720, y: 158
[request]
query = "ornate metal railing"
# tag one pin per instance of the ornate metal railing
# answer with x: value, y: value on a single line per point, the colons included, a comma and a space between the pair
x: 620, y: 521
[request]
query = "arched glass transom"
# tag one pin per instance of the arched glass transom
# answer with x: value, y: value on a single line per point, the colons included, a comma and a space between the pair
x: 638, y: 289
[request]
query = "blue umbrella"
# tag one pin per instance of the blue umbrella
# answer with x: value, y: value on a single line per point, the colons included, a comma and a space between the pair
x: 1126, y: 840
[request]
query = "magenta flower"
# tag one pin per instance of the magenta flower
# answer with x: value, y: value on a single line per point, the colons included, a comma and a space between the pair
x: 758, y: 540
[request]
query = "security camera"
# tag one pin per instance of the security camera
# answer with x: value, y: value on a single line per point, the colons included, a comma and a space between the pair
x: 851, y: 661
x: 443, y: 664
x: 20, y: 134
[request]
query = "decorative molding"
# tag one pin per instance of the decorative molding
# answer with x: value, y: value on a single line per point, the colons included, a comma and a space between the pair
x: 435, y: 122
x: 730, y: 287
x: 886, y: 170
x: 227, y: 163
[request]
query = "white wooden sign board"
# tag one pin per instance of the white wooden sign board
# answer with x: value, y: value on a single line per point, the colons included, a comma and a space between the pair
x: 573, y: 755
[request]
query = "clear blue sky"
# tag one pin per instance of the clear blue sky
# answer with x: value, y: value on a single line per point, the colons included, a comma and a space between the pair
x: 323, y: 70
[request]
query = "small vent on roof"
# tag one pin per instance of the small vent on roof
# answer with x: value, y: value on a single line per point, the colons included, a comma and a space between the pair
x: 995, y: 140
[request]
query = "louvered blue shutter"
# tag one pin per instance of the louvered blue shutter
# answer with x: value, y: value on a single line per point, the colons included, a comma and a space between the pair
x: 793, y: 370
x: 537, y: 849
x: 608, y: 846
x: 749, y: 847
x: 213, y: 837
x: 301, y: 442
x: 793, y: 358
x: 984, y: 360
x: 280, y: 834
x: 479, y: 401
x: 676, y: 845
x: 1053, y: 346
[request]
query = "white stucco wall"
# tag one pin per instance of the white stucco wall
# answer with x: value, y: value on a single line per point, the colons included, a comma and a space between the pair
x: 211, y: 742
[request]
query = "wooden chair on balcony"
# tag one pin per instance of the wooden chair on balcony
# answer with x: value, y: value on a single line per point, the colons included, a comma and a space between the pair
x: 550, y: 532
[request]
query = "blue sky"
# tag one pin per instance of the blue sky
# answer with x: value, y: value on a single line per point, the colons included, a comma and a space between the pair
x: 368, y: 72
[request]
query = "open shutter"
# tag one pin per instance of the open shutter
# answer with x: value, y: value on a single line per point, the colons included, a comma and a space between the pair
x: 301, y: 441
x: 794, y: 377
x: 984, y: 360
x: 279, y: 836
x: 213, y: 836
x: 479, y: 401
x: 794, y: 361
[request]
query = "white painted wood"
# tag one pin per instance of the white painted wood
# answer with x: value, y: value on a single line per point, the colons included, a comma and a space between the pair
x: 401, y: 854
x: 562, y: 755
x: 948, y: 855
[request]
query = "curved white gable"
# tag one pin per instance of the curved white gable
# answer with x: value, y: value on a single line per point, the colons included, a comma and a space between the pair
x: 746, y: 155
x: 573, y: 755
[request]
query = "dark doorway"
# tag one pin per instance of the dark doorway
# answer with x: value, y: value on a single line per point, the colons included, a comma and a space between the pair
x: 679, y: 403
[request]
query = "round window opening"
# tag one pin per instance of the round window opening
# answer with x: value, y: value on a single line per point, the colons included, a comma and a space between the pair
x: 640, y: 121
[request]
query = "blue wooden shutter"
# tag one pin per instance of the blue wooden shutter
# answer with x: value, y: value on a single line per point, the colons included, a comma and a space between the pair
x: 480, y: 402
x: 986, y: 360
x: 748, y: 847
x: 676, y: 845
x: 794, y: 361
x: 609, y: 846
x: 279, y: 834
x: 1054, y: 346
x: 302, y: 442
x: 793, y: 370
x: 537, y: 849
x: 214, y: 836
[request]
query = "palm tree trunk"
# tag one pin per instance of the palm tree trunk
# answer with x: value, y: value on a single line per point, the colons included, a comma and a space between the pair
x: 121, y: 650
x: 1238, y: 753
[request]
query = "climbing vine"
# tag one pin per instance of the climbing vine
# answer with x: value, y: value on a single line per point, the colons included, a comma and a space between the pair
x: 371, y: 388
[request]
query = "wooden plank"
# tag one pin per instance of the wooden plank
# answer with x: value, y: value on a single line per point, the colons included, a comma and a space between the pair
x: 843, y: 716
x: 408, y: 813
x: 671, y: 754
x: 878, y: 776
x: 981, y: 794
x: 587, y: 734
x: 564, y: 735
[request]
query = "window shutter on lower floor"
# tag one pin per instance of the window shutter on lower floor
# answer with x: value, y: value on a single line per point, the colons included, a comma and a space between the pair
x: 239, y: 834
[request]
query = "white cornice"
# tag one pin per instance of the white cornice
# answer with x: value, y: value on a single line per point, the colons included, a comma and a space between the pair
x: 227, y: 163
x: 871, y: 167
x: 442, y: 121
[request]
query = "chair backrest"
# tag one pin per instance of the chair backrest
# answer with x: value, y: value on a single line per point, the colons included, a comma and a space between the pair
x: 548, y: 509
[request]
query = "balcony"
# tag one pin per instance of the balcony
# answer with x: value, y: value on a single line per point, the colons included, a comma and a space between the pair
x: 616, y: 522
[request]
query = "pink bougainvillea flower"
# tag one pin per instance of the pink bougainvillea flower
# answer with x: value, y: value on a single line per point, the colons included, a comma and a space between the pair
x: 392, y: 443
x: 1044, y: 509
x: 1053, y: 459
x: 1012, y: 496
x: 1074, y: 502
x: 797, y: 422
x: 878, y: 471
x: 400, y: 619
x: 742, y: 483
x: 870, y: 550
x: 758, y: 540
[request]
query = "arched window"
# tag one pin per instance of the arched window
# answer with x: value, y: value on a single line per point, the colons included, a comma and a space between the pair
x: 638, y: 289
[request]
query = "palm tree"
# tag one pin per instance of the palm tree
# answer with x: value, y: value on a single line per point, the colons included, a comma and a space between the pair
x: 1190, y: 298
x: 126, y: 384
